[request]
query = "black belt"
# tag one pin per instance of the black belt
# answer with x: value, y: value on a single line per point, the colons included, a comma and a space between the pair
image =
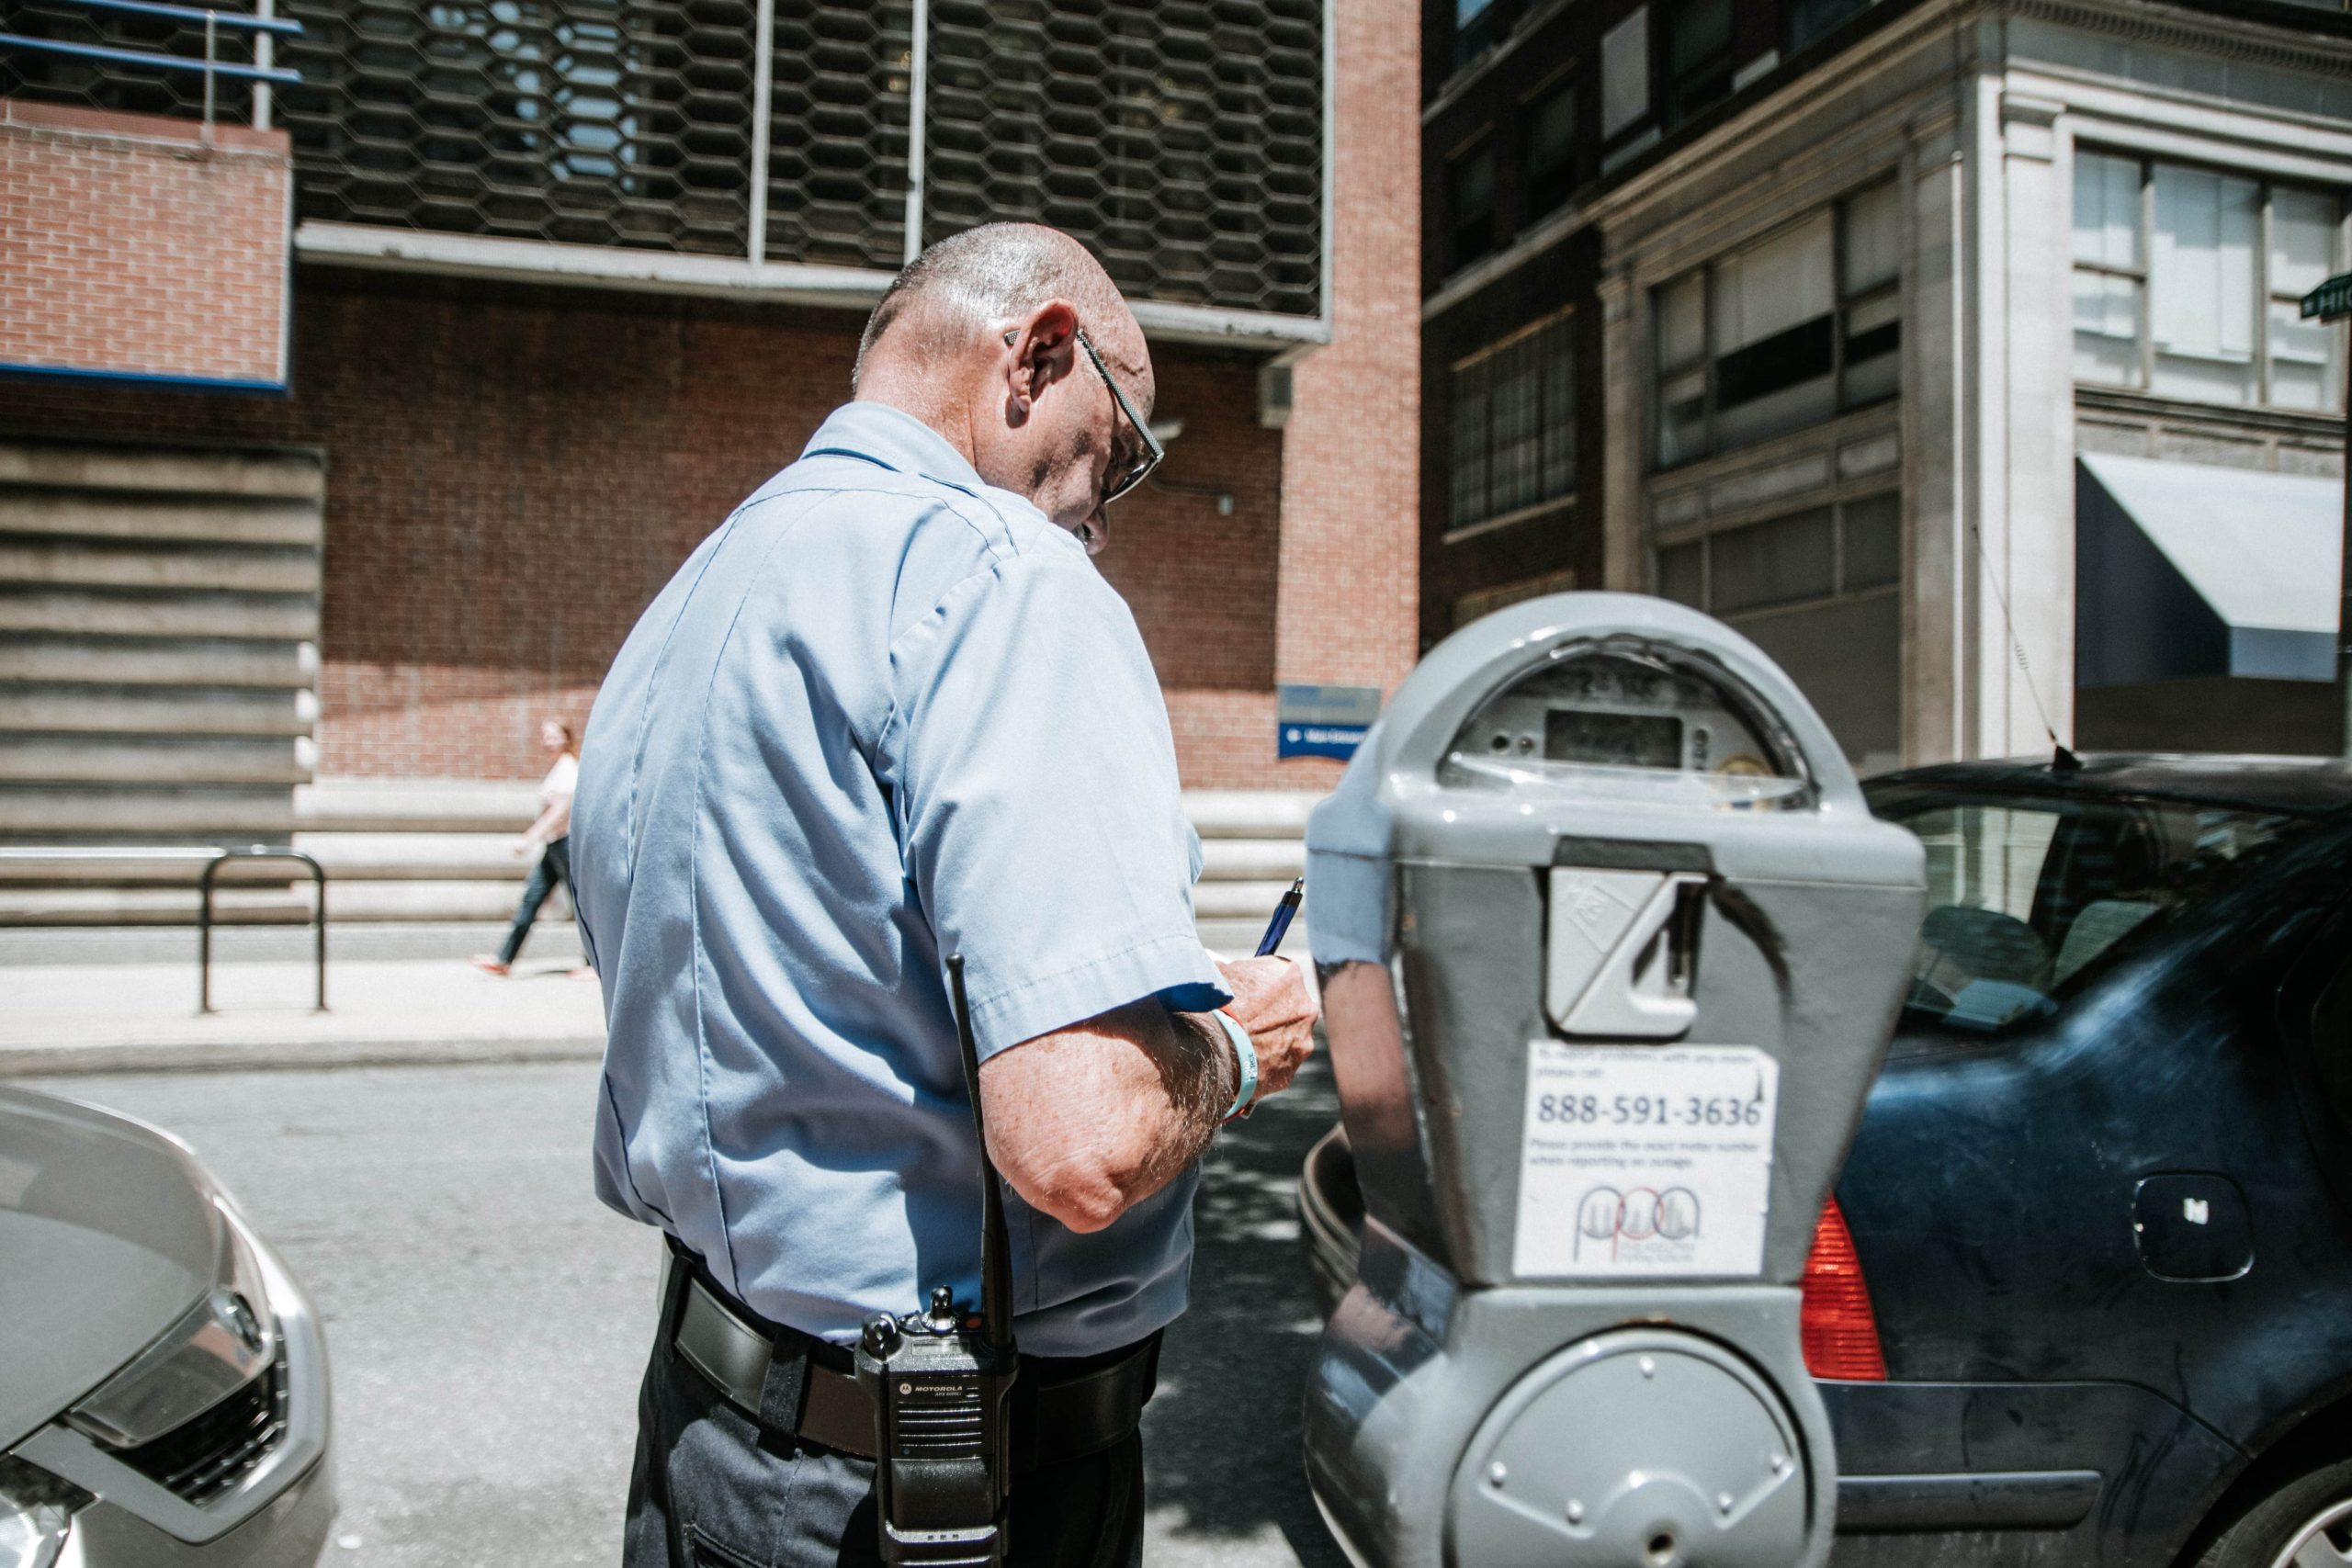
x: 800, y: 1386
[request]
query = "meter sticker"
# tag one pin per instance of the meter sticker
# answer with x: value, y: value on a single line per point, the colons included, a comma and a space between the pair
x: 1645, y: 1160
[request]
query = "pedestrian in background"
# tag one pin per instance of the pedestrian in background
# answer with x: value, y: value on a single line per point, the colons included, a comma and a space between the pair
x: 551, y: 834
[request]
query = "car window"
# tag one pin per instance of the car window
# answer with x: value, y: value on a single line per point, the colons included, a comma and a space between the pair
x: 2029, y: 897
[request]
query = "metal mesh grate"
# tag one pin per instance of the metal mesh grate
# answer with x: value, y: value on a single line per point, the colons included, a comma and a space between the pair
x: 602, y: 122
x: 89, y: 83
x: 838, y: 124
x: 1181, y: 138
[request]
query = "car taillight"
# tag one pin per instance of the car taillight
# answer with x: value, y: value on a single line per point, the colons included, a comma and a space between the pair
x: 1839, y: 1329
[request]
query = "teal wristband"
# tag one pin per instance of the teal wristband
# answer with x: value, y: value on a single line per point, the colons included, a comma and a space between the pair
x: 1245, y: 1093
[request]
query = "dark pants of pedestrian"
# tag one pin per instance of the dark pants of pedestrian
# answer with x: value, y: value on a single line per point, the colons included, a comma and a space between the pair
x: 554, y: 866
x: 712, y: 1488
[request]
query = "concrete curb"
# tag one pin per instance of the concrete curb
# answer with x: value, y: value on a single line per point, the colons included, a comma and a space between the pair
x: 90, y: 1058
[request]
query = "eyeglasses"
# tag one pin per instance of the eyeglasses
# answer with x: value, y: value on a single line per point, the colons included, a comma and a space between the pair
x: 1153, y: 452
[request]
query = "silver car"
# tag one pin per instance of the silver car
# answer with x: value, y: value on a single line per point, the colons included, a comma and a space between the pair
x: 162, y: 1380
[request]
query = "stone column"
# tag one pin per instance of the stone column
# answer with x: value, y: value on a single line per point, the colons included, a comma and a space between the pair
x: 2035, y: 400
x: 1935, y: 619
x: 1625, y: 394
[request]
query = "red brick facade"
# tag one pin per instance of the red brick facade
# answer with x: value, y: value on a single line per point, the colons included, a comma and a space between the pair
x: 512, y: 472
x: 1351, y: 538
x: 135, y: 245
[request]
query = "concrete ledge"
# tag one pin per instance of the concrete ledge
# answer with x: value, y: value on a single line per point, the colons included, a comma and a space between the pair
x: 143, y: 1017
x: 1237, y: 900
x: 434, y: 901
x: 344, y: 805
x: 223, y: 520
x: 406, y: 851
x: 288, y: 666
x: 138, y: 759
x: 285, y: 1055
x: 159, y: 711
x: 273, y: 617
x: 154, y: 907
x: 153, y: 813
x: 187, y: 568
x: 348, y: 804
x: 1250, y: 812
x: 144, y: 469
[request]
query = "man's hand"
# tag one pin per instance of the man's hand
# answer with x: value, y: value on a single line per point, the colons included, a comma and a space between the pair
x: 1270, y: 1000
x: 1089, y: 1121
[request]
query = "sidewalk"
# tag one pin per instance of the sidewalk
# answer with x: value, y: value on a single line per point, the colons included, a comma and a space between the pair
x: 136, y: 1010
x: 100, y: 1017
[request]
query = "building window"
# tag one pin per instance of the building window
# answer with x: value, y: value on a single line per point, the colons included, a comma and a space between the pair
x: 1487, y: 601
x: 1818, y: 591
x: 1625, y: 74
x: 2188, y: 283
x: 1809, y: 19
x: 1698, y: 56
x: 1513, y: 435
x: 1470, y: 203
x: 1550, y: 125
x: 1784, y: 333
x: 1474, y: 29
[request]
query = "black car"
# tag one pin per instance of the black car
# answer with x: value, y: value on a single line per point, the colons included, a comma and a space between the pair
x: 2085, y: 1293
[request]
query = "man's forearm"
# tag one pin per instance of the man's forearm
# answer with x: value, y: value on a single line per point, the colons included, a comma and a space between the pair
x: 1088, y: 1121
x: 1201, y: 1076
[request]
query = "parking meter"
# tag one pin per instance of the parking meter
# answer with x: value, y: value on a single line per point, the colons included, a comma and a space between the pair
x: 1611, y: 949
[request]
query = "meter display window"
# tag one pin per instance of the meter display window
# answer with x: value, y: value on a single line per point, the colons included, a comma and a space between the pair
x: 2030, y: 898
x: 1632, y: 720
x: 1622, y: 739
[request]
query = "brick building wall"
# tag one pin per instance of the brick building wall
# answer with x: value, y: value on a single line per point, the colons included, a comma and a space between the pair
x: 513, y: 474
x: 1350, y: 528
x: 513, y: 471
x: 128, y: 244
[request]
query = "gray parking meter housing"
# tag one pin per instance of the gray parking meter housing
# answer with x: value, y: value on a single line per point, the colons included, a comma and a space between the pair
x: 1611, y: 949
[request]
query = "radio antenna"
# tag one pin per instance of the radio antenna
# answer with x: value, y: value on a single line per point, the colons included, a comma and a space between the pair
x: 2062, y: 758
x: 996, y: 1265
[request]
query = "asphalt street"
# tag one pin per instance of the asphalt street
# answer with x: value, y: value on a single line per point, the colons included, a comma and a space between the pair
x: 488, y: 1320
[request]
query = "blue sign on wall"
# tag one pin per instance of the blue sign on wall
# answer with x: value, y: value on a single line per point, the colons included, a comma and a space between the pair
x: 1323, y: 721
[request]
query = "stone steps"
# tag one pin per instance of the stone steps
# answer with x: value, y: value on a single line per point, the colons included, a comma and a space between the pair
x: 158, y: 618
x: 57, y: 707
x: 440, y: 849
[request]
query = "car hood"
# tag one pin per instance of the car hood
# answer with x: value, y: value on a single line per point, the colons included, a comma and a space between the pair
x: 107, y: 1234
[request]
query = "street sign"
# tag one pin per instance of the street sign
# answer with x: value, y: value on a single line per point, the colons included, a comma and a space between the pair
x: 1323, y: 721
x: 2331, y: 300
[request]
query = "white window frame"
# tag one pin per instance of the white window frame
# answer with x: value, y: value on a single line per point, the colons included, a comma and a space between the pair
x: 2142, y: 275
x: 1559, y: 322
x: 1846, y: 302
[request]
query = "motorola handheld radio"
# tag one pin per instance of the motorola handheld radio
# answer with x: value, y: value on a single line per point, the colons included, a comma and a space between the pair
x: 939, y: 1379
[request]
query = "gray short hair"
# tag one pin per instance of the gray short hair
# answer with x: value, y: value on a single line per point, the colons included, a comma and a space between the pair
x: 987, y: 274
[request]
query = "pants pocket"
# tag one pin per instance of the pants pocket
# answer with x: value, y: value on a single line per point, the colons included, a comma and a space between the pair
x: 708, y: 1554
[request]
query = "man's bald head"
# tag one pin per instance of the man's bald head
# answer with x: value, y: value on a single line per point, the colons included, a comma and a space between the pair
x: 966, y: 283
x: 985, y: 338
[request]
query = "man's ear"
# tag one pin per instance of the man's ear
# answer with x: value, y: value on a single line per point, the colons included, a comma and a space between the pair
x: 1045, y: 349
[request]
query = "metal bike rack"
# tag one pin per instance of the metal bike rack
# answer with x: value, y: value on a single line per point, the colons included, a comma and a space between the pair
x: 204, y: 918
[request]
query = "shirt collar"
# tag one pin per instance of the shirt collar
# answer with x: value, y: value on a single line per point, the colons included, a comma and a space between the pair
x: 894, y: 439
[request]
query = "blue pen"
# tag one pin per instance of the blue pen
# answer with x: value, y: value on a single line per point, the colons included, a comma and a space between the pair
x: 1279, y: 926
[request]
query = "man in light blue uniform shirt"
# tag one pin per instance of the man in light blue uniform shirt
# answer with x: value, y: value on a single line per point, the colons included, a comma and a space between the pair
x: 887, y: 713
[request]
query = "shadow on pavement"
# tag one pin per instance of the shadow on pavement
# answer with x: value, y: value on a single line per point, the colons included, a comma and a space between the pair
x: 1222, y: 1436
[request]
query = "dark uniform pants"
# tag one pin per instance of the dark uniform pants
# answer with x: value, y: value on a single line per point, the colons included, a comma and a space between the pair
x: 712, y: 1490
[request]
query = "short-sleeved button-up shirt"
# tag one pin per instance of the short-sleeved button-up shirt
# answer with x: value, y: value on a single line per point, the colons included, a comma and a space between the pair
x: 887, y: 713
